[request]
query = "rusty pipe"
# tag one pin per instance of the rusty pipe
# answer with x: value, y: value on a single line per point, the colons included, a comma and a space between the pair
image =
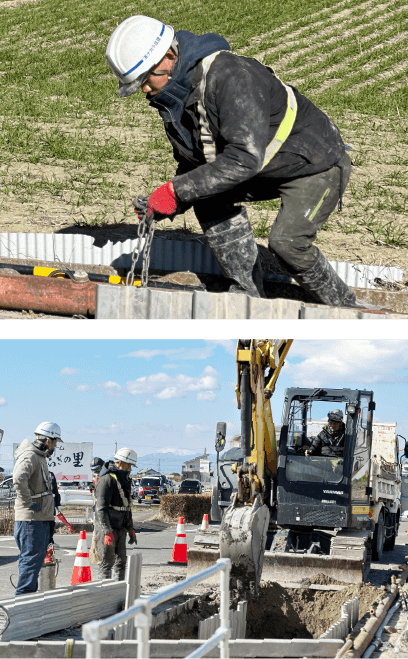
x: 366, y: 635
x: 50, y: 295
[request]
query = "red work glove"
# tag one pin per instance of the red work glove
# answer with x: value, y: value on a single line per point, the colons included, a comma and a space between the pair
x: 109, y: 539
x: 162, y: 202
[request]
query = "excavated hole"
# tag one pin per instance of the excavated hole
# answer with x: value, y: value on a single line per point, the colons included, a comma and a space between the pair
x: 278, y: 612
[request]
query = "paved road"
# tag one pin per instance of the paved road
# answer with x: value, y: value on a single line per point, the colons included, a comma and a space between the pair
x: 155, y: 544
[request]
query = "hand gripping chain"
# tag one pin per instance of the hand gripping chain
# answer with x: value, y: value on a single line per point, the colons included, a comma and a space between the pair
x: 145, y: 231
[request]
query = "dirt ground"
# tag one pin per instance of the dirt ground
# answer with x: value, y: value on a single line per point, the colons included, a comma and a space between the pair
x: 278, y: 612
x: 371, y: 199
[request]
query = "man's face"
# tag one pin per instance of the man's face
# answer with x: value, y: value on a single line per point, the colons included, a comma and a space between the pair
x: 159, y: 76
x: 334, y: 425
x: 51, y: 443
x: 125, y: 466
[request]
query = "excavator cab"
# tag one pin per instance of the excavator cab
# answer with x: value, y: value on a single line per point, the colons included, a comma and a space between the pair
x: 315, y: 529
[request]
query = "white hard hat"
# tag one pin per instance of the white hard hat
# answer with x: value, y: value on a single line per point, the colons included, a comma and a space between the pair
x: 48, y: 429
x: 136, y: 46
x: 126, y: 455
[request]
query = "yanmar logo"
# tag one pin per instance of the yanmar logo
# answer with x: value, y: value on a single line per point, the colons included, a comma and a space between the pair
x: 332, y: 492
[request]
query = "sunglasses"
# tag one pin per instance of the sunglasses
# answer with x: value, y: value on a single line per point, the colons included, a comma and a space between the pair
x: 152, y: 72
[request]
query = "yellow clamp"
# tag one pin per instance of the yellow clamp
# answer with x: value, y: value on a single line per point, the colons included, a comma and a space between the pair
x: 60, y: 274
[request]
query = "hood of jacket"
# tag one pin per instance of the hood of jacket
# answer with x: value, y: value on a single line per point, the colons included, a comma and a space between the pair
x: 171, y: 100
x: 28, y: 447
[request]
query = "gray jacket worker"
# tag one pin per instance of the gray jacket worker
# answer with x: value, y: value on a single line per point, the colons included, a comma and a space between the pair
x: 34, y: 506
x: 113, y: 515
x: 238, y: 134
x: 330, y: 441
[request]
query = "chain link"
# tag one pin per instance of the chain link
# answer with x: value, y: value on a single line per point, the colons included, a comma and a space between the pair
x: 145, y: 233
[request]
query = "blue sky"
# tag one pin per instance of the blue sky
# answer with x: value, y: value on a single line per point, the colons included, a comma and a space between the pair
x: 167, y: 395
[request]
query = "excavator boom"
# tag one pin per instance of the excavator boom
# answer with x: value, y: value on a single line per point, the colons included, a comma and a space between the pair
x: 245, y: 523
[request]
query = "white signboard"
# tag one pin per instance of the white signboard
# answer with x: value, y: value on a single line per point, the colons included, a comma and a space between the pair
x: 71, y: 461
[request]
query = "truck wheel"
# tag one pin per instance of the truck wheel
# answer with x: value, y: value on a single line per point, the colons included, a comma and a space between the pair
x: 379, y: 538
x: 389, y: 543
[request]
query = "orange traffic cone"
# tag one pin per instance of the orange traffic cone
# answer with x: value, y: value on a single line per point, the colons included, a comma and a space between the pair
x: 82, y: 567
x: 179, y: 554
x: 204, y: 524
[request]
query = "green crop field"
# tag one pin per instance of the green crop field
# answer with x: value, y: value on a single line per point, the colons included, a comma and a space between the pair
x: 73, y: 153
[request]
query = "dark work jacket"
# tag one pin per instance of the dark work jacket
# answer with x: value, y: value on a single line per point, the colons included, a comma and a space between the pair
x: 245, y: 104
x: 327, y: 445
x: 107, y: 495
x: 55, y: 491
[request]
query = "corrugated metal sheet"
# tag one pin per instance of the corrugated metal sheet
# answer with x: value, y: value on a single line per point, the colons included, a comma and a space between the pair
x: 170, y: 255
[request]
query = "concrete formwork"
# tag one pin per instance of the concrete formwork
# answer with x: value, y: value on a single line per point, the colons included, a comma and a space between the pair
x: 125, y: 302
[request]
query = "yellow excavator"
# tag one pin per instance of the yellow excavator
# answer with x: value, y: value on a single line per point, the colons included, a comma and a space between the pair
x: 287, y: 514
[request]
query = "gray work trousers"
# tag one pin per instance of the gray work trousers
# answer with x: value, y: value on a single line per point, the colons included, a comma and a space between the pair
x: 306, y: 204
x: 113, y: 557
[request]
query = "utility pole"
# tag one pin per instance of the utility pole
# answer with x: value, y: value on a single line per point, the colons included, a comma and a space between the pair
x: 116, y: 447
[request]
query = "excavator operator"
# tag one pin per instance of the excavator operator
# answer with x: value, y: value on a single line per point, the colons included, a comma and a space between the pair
x: 330, y: 441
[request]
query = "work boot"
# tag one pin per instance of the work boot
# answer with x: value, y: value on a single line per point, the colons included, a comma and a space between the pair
x: 118, y: 575
x: 323, y: 282
x: 233, y: 244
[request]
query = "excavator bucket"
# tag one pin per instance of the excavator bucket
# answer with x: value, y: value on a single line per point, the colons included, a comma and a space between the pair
x: 243, y: 540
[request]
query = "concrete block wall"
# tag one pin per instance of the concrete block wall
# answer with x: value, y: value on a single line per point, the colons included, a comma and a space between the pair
x: 124, y: 302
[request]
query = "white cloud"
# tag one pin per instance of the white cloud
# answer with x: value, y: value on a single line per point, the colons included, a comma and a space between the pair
x: 229, y: 345
x: 360, y: 362
x: 206, y: 395
x: 173, y: 353
x: 82, y: 387
x: 193, y: 428
x: 164, y: 386
x: 68, y: 371
x: 113, y: 389
x: 3, y: 401
x: 148, y: 402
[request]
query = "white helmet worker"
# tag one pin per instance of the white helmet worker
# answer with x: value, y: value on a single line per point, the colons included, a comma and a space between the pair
x: 136, y: 46
x: 49, y: 430
x: 126, y: 455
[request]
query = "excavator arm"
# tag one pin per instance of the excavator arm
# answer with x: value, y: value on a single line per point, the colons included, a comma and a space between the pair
x: 245, y: 523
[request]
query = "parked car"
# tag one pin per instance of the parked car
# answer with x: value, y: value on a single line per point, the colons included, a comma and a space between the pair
x: 135, y: 487
x: 7, y: 490
x: 151, y: 488
x: 190, y: 486
x: 74, y: 485
x: 165, y: 484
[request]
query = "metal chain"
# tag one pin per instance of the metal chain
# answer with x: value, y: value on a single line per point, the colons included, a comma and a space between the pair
x: 145, y: 232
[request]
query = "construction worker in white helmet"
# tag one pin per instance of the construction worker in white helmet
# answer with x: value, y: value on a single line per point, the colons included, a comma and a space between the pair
x: 34, y: 506
x: 238, y: 134
x: 113, y: 515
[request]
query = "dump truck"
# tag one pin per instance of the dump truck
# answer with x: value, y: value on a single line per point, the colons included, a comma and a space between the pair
x: 292, y: 514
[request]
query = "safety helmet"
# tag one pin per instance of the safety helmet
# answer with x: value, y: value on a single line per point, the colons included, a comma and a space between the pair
x: 335, y: 415
x: 135, y: 47
x: 49, y: 430
x: 96, y: 465
x: 126, y: 455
